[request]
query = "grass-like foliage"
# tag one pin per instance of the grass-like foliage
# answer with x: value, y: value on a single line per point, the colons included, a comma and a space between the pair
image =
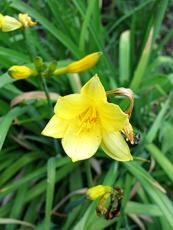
x: 40, y: 187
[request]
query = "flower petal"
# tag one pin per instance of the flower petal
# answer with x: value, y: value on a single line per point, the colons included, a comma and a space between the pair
x: 114, y: 146
x: 94, y: 90
x: 111, y: 116
x: 70, y: 106
x: 80, y: 145
x: 56, y: 127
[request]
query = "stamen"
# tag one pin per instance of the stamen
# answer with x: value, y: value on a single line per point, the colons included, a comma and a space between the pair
x: 87, y: 119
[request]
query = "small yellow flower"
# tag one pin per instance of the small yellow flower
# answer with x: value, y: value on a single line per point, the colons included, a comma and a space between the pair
x: 81, y: 65
x: 26, y: 20
x: 8, y: 23
x: 20, y: 72
x: 85, y: 121
x: 98, y: 191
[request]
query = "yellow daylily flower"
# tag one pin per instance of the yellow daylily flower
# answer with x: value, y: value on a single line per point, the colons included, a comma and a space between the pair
x: 81, y: 65
x: 20, y: 72
x: 8, y: 23
x: 85, y: 121
x: 97, y: 191
x: 26, y: 20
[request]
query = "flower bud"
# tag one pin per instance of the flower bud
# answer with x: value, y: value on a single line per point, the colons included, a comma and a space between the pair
x: 8, y: 23
x: 26, y: 20
x: 98, y: 191
x: 20, y: 72
x: 85, y: 63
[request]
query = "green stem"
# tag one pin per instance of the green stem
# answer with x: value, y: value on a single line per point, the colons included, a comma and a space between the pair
x: 88, y: 173
x: 46, y: 90
x: 141, y: 159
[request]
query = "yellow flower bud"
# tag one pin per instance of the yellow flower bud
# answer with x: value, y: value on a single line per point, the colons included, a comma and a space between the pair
x: 98, y: 191
x: 20, y: 72
x: 78, y: 66
x: 8, y: 23
x: 85, y: 63
x: 26, y: 20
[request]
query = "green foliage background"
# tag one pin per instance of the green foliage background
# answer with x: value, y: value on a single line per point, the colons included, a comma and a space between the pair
x: 36, y: 176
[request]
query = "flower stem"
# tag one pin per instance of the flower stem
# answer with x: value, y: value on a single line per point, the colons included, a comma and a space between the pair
x: 88, y: 173
x: 141, y: 159
x: 45, y: 88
